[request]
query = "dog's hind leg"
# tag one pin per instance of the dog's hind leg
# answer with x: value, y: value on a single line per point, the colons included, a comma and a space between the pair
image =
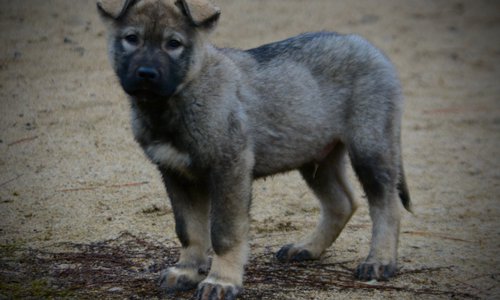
x: 377, y: 169
x: 328, y: 181
x: 191, y: 208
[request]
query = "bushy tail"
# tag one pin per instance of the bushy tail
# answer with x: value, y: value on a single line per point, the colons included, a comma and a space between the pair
x: 403, y: 189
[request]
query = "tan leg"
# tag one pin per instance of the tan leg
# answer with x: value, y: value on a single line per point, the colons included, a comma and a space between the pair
x: 226, y: 275
x: 231, y: 187
x: 191, y: 210
x: 378, y: 173
x: 329, y: 183
x: 381, y: 261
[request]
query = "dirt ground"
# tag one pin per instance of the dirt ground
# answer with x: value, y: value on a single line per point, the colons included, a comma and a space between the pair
x: 75, y: 187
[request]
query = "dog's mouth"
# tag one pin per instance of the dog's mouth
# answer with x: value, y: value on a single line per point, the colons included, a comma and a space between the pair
x: 145, y: 94
x: 148, y: 95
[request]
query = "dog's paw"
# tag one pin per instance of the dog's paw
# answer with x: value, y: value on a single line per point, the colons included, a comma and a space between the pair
x: 179, y: 278
x: 373, y: 270
x: 211, y: 289
x: 291, y: 252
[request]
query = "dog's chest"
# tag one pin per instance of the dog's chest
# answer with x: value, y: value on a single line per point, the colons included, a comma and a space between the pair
x: 166, y: 155
x: 159, y: 148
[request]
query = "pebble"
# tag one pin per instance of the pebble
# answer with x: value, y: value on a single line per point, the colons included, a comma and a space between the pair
x: 115, y: 289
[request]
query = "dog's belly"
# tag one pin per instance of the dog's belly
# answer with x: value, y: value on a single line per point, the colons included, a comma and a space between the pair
x: 288, y: 153
x: 297, y: 132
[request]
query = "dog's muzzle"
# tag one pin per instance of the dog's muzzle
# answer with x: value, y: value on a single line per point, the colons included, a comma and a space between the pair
x: 148, y: 74
x: 147, y: 83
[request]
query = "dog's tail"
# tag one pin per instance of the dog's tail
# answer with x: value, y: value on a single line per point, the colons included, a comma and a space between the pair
x: 403, y: 189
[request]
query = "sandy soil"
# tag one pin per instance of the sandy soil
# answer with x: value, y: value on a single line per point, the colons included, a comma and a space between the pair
x: 71, y: 172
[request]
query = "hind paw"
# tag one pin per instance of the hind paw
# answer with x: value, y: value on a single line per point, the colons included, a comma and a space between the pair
x: 290, y: 252
x: 368, y: 271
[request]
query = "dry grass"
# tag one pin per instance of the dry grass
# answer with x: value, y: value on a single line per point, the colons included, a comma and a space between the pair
x: 129, y: 266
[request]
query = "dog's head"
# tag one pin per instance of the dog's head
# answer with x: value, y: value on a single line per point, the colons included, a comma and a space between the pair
x: 156, y: 46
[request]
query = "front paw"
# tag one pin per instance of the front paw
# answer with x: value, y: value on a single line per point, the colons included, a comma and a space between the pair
x: 181, y: 278
x: 216, y: 289
x: 373, y: 270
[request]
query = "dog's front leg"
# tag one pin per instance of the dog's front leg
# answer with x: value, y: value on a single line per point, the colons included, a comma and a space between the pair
x: 191, y: 208
x: 231, y: 195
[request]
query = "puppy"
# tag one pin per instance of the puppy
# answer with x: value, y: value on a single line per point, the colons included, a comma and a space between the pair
x: 214, y: 119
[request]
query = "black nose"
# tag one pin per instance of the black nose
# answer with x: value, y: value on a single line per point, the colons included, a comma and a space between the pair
x: 148, y: 73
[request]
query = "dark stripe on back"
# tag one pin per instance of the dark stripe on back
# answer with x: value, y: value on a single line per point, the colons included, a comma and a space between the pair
x: 269, y: 52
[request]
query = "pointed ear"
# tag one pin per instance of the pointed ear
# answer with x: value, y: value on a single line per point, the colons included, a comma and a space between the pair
x: 114, y: 9
x: 201, y: 13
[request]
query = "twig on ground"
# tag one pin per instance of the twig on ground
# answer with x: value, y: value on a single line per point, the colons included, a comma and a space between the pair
x: 90, y: 188
x: 80, y: 189
x: 131, y: 184
x: 23, y: 140
x: 438, y: 235
x: 425, y: 270
x: 10, y: 180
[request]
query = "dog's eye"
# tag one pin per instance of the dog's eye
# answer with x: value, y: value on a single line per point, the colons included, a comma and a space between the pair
x: 132, y: 39
x: 173, y: 44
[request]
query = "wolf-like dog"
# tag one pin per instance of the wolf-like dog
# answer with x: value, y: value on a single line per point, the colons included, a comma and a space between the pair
x: 213, y: 120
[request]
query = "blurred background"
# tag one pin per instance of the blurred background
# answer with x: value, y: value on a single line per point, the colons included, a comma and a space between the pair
x: 70, y: 171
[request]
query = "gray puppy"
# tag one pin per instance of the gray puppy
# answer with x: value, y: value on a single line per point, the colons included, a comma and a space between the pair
x: 213, y: 120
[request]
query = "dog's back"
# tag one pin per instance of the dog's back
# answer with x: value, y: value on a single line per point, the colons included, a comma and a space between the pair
x: 303, y: 93
x: 329, y: 57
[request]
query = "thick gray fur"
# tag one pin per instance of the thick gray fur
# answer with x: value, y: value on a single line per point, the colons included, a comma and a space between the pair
x: 215, y: 119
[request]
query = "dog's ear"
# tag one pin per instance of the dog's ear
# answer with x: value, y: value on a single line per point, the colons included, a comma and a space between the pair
x: 201, y: 13
x: 114, y: 9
